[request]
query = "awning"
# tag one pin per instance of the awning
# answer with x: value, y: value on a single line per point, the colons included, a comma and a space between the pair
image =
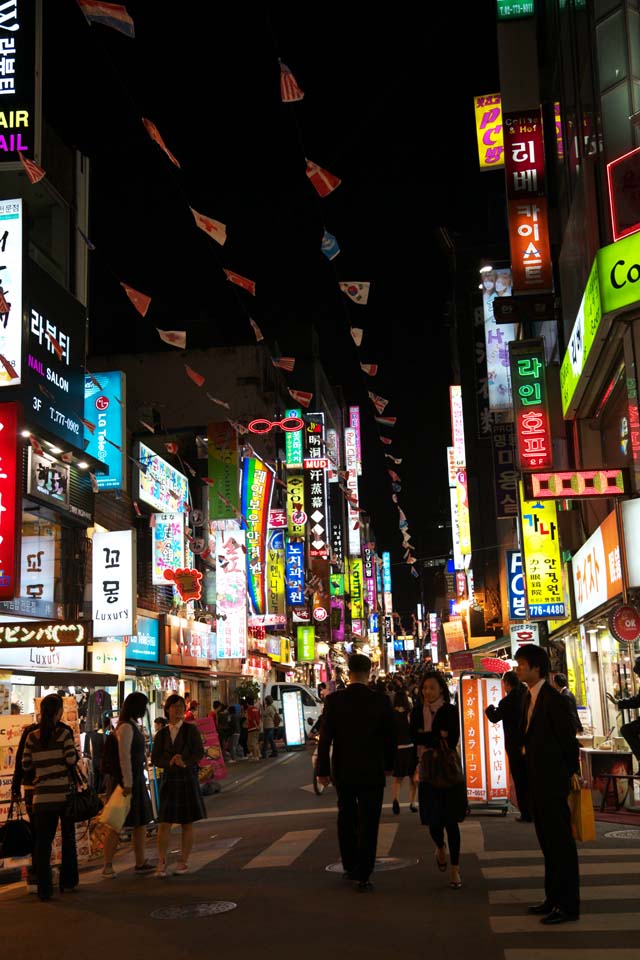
x: 500, y: 643
x: 78, y: 678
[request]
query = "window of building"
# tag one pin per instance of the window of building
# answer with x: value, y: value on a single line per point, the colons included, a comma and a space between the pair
x: 615, y: 121
x: 612, y: 50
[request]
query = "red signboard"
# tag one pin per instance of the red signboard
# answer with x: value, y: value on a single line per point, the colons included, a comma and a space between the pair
x: 624, y: 623
x: 10, y: 500
x: 530, y: 404
x: 623, y: 175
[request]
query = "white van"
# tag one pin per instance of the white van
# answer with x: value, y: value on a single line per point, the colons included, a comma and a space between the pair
x: 311, y: 703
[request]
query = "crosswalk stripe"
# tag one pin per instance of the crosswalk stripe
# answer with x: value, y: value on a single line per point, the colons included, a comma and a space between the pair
x: 591, y: 923
x: 386, y: 835
x: 537, y: 870
x: 121, y: 865
x: 472, y: 836
x: 215, y: 850
x: 285, y: 850
x: 536, y: 852
x: 613, y: 891
x: 577, y: 953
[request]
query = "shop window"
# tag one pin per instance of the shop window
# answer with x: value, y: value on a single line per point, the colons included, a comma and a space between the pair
x: 612, y: 50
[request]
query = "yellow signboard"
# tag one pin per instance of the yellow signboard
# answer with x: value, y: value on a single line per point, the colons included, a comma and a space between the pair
x: 464, y: 520
x: 541, y: 559
x: 489, y: 131
x: 275, y: 572
x: 357, y: 589
x: 296, y: 516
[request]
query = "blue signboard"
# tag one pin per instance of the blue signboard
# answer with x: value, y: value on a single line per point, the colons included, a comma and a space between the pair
x: 144, y: 645
x: 295, y: 574
x: 386, y: 571
x: 374, y: 623
x: 379, y: 579
x: 104, y: 406
x: 515, y: 584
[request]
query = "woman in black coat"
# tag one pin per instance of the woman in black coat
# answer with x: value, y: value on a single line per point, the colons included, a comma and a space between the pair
x: 433, y: 720
x: 176, y: 750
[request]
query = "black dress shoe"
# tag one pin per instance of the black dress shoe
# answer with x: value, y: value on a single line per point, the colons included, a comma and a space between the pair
x: 365, y: 886
x: 541, y: 909
x: 559, y: 916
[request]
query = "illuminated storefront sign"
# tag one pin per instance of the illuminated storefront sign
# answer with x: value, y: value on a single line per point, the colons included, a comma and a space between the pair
x: 144, y: 645
x: 109, y: 657
x: 464, y: 519
x: 354, y: 423
x: 513, y: 10
x: 37, y: 566
x: 504, y: 470
x: 105, y: 406
x: 287, y: 424
x: 581, y: 340
x: 353, y: 512
x: 597, y: 568
x: 257, y: 485
x: 20, y: 84
x: 451, y: 466
x: 296, y: 516
x: 458, y: 560
x: 541, y: 559
x: 42, y: 634
x: 623, y: 175
x: 485, y: 760
x: 295, y: 573
x: 356, y: 589
x: 10, y: 500
x: 488, y: 111
x: 369, y: 569
x: 333, y: 453
x: 515, y: 586
x: 497, y: 283
x: 294, y: 445
x: 160, y: 484
x: 167, y: 545
x: 457, y: 426
x: 222, y: 446
x: 306, y: 644
x: 321, y: 597
x: 11, y: 292
x: 530, y: 404
x: 576, y: 484
x: 114, y: 584
x: 48, y: 478
x: 386, y: 582
x: 523, y: 633
x: 231, y: 595
x: 275, y: 572
x: 316, y: 486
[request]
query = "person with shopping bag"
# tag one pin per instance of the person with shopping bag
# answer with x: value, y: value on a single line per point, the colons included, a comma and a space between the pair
x: 177, y: 750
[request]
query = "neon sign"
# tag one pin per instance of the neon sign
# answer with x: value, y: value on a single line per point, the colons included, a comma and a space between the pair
x: 288, y: 424
x: 530, y: 404
x: 576, y: 484
x: 257, y: 484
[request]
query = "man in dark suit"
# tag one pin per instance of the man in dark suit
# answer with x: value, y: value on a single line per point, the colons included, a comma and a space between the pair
x: 357, y: 723
x: 560, y: 683
x: 551, y: 754
x: 509, y: 710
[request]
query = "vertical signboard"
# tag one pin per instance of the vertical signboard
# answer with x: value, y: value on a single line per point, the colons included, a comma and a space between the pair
x: 306, y: 652
x: 294, y: 450
x: 222, y: 446
x: 356, y: 588
x: 351, y: 462
x: 296, y: 516
x: 337, y: 607
x: 386, y: 582
x: 337, y: 502
x: 457, y: 426
x: 231, y: 595
x: 541, y: 558
x: 481, y: 388
x: 515, y: 586
x: 167, y: 539
x: 368, y: 565
x: 464, y: 519
x: 105, y: 406
x: 582, y: 338
x: 504, y: 470
x: 114, y: 584
x: 354, y: 423
x: 497, y: 283
x: 38, y: 565
x: 295, y: 573
x: 316, y: 492
x: 20, y: 83
x: 257, y: 484
x: 530, y: 404
x: 485, y: 761
x: 497, y: 762
x: 11, y: 246
x: 488, y: 111
x: 275, y: 572
x: 10, y: 500
x: 333, y: 453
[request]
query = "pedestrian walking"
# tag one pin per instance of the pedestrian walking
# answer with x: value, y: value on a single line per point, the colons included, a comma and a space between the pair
x: 358, y: 724
x: 49, y: 756
x: 551, y: 752
x: 434, y: 721
x: 405, y: 762
x: 270, y: 721
x: 560, y: 683
x: 253, y: 729
x: 235, y: 720
x: 177, y: 750
x: 509, y: 711
x: 128, y: 772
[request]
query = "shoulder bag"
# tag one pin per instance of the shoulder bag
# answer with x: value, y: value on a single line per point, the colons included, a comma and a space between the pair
x: 441, y: 768
x: 15, y: 834
x: 84, y: 802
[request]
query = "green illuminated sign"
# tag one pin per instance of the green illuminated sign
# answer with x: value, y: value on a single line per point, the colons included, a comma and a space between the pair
x: 294, y: 442
x: 306, y: 642
x: 581, y: 339
x: 508, y: 10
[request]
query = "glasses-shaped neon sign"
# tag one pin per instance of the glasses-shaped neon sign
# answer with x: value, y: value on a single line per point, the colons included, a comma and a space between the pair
x: 289, y: 425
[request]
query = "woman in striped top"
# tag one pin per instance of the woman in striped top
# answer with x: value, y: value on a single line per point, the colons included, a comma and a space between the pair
x: 50, y: 753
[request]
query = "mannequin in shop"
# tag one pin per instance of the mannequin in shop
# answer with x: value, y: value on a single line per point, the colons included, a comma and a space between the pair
x: 98, y: 704
x: 93, y: 748
x: 630, y: 731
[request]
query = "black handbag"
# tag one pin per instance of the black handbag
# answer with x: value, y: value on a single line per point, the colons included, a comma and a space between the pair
x: 15, y: 834
x: 84, y: 802
x: 441, y: 768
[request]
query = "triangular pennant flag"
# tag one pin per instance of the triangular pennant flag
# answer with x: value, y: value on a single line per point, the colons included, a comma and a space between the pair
x: 386, y: 440
x: 356, y: 291
x: 196, y: 377
x: 241, y: 282
x: 136, y: 508
x: 396, y: 460
x: 386, y: 421
x: 213, y: 228
x: 357, y: 334
x: 378, y: 402
x: 394, y: 498
x: 208, y: 481
x: 67, y: 457
x: 220, y: 403
x: 330, y: 246
x: 396, y: 487
x: 302, y: 397
x: 147, y: 426
x: 370, y: 369
x: 154, y: 133
x: 13, y: 375
x: 256, y: 329
x: 171, y: 447
x: 175, y: 338
x: 140, y: 300
x: 45, y: 393
x: 95, y: 382
x: 323, y: 181
x: 94, y: 483
x: 394, y: 476
x: 290, y: 92
x: 115, y: 444
x: 35, y: 445
x: 33, y: 171
x: 284, y: 363
x: 91, y: 427
x: 112, y: 15
x: 414, y: 573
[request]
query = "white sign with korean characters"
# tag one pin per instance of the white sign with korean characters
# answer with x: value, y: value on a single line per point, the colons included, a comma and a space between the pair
x: 37, y: 568
x: 113, y: 587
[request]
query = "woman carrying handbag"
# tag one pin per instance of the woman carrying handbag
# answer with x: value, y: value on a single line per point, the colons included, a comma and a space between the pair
x: 442, y: 794
x: 177, y: 750
x: 50, y: 755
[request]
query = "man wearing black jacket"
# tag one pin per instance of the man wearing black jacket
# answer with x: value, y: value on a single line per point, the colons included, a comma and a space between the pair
x: 560, y: 682
x: 358, y: 724
x: 551, y: 753
x: 509, y: 710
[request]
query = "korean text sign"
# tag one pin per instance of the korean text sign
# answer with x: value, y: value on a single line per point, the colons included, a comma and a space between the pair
x: 167, y: 545
x: 515, y: 586
x: 295, y: 573
x: 113, y: 587
x: 160, y: 484
x: 369, y: 563
x: 542, y: 558
x: 20, y: 84
x: 306, y: 644
x: 581, y: 340
x: 296, y: 516
x: 38, y: 566
x: 504, y: 470
x: 530, y: 404
x: 294, y: 450
x: 257, y: 484
x: 316, y: 487
x: 10, y: 500
x: 11, y: 245
x: 488, y: 111
x: 275, y: 572
x: 497, y: 283
x: 356, y: 589
x: 222, y: 445
x: 231, y: 594
x: 457, y: 426
x: 105, y: 406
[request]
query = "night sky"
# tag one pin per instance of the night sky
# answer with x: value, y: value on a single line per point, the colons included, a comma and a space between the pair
x: 388, y: 108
